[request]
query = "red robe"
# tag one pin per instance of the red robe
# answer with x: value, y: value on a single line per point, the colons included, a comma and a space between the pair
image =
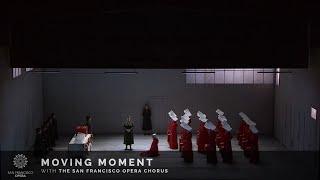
x: 186, y: 149
x: 202, y: 137
x: 253, y: 150
x: 223, y: 140
x: 245, y: 141
x: 169, y: 132
x: 181, y: 141
x: 172, y: 135
x: 241, y: 133
x: 219, y: 135
x: 211, y: 147
x: 153, y: 151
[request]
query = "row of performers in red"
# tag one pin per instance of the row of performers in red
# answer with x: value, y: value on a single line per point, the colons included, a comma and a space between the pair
x: 209, y: 136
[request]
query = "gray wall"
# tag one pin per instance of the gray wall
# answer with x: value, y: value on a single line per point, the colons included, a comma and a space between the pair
x: 73, y: 93
x: 21, y: 106
x: 297, y: 92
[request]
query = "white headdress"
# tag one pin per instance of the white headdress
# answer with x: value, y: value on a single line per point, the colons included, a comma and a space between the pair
x: 203, y: 119
x: 173, y: 115
x: 184, y: 120
x: 246, y: 119
x: 222, y: 118
x: 253, y: 129
x: 226, y: 126
x: 187, y: 112
x: 200, y: 114
x: 209, y: 125
x: 185, y: 116
x: 220, y: 113
x: 186, y: 127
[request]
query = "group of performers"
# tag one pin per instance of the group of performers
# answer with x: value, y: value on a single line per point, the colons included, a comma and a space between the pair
x: 46, y: 136
x: 210, y: 136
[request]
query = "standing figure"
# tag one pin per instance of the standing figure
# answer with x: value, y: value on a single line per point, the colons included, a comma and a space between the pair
x: 253, y: 144
x: 186, y: 120
x: 241, y: 133
x: 225, y: 142
x: 186, y: 138
x: 55, y: 125
x: 244, y: 133
x: 52, y: 138
x: 211, y: 146
x: 153, y: 151
x: 89, y: 124
x: 146, y: 124
x: 172, y: 131
x: 202, y: 133
x: 45, y: 136
x: 39, y: 147
x: 128, y: 133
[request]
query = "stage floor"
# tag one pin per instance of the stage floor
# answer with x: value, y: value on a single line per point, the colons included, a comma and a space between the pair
x: 142, y: 142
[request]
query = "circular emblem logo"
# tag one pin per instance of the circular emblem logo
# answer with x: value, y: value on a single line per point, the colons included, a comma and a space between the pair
x: 20, y: 161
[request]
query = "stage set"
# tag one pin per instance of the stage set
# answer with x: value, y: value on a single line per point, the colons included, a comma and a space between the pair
x: 181, y: 118
x: 207, y: 139
x: 206, y: 91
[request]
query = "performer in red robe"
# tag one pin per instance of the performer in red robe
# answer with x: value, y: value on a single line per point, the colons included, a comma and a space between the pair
x: 211, y: 146
x: 228, y: 148
x: 186, y: 149
x: 186, y: 120
x: 244, y: 133
x: 172, y: 131
x: 253, y: 144
x: 173, y: 135
x: 245, y: 142
x: 223, y: 140
x: 240, y: 133
x: 220, y: 130
x: 153, y: 151
x: 202, y: 133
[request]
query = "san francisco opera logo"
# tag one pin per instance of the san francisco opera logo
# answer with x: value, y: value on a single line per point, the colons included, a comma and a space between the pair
x: 20, y: 161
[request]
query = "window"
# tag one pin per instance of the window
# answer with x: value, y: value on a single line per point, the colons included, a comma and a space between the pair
x: 313, y: 113
x: 278, y: 77
x: 29, y: 69
x: 230, y: 76
x: 16, y: 72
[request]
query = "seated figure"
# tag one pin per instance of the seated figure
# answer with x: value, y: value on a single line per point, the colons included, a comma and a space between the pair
x: 153, y: 151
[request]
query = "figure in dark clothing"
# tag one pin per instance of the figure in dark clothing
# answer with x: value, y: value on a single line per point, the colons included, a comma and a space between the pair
x: 47, y: 134
x: 51, y: 133
x: 39, y: 147
x: 146, y: 124
x: 54, y: 125
x: 89, y: 124
x: 128, y: 133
